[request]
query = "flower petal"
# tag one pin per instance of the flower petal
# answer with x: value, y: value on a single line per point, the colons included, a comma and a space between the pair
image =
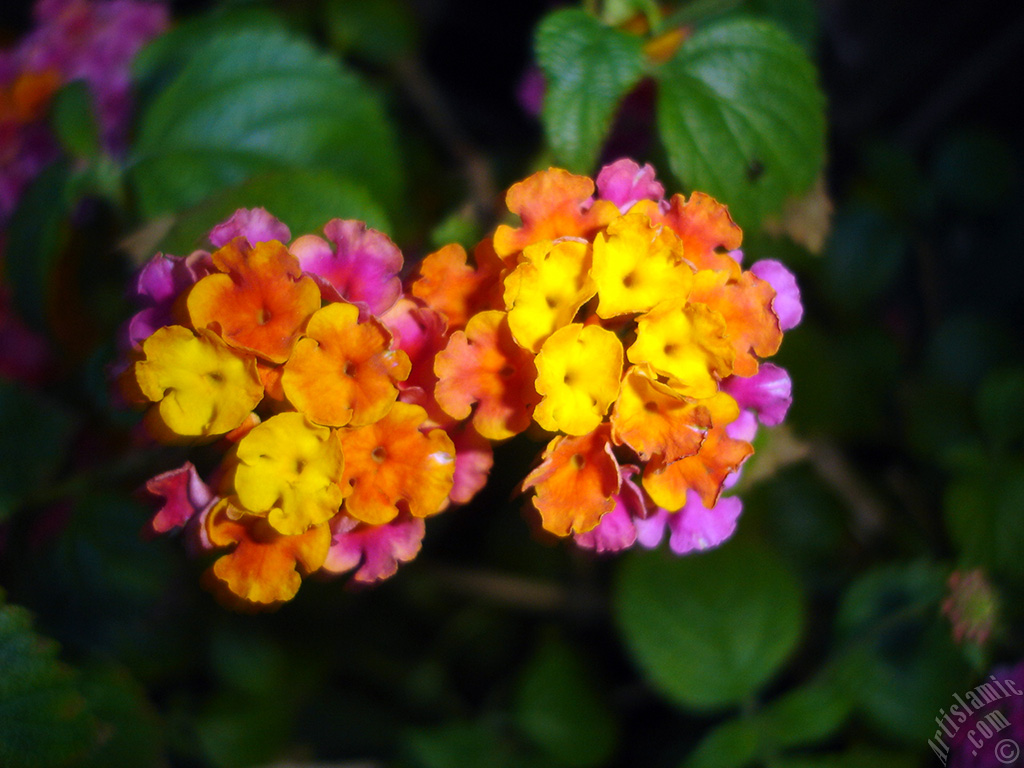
x: 637, y: 265
x: 552, y: 204
x: 343, y: 371
x: 359, y: 265
x: 786, y: 304
x: 652, y: 418
x: 769, y: 393
x: 449, y: 285
x: 256, y: 225
x: 376, y: 550
x: 546, y: 290
x: 624, y: 182
x: 201, y: 386
x: 579, y: 369
x: 264, y: 566
x: 288, y: 469
x: 184, y: 494
x: 686, y: 342
x: 258, y: 302
x: 576, y: 482
x: 704, y: 473
x: 392, y: 464
x: 746, y: 305
x: 483, y: 365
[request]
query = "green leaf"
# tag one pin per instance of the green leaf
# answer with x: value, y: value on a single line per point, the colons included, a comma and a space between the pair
x: 806, y: 715
x: 801, y: 717
x: 1000, y: 406
x: 35, y: 431
x: 379, y: 31
x: 257, y: 101
x: 165, y: 56
x: 734, y: 744
x: 561, y: 711
x: 130, y: 732
x: 983, y: 510
x: 589, y: 68
x: 74, y: 122
x: 899, y: 662
x: 34, y: 239
x: 709, y: 629
x: 43, y: 718
x: 458, y: 743
x: 304, y: 200
x: 741, y: 117
x: 798, y: 17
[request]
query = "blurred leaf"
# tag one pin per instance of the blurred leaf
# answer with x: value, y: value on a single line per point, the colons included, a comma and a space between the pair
x: 458, y: 743
x: 164, y: 56
x: 34, y: 239
x: 742, y: 118
x: 709, y: 629
x: 238, y: 731
x: 305, y: 200
x: 798, y: 17
x: 589, y: 68
x: 1000, y: 406
x: 801, y: 717
x: 806, y: 715
x: 74, y: 122
x: 379, y: 31
x: 734, y: 744
x: 458, y: 227
x: 616, y: 12
x: 983, y: 513
x: 899, y: 661
x: 863, y: 256
x: 43, y: 718
x: 35, y: 432
x: 561, y: 711
x: 129, y: 730
x: 259, y: 100
x: 802, y: 517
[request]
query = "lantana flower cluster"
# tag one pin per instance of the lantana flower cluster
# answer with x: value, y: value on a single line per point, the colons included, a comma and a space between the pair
x: 619, y: 327
x: 292, y: 359
x: 625, y: 326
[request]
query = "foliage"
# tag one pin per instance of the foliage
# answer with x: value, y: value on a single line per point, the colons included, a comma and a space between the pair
x: 831, y: 630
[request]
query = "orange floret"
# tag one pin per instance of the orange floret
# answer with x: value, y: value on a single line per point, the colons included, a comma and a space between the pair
x: 746, y: 304
x: 575, y: 483
x: 263, y: 568
x: 450, y: 285
x: 654, y: 420
x: 704, y: 473
x: 392, y: 463
x: 483, y: 365
x: 552, y: 204
x: 343, y: 372
x: 259, y: 301
x: 705, y: 227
